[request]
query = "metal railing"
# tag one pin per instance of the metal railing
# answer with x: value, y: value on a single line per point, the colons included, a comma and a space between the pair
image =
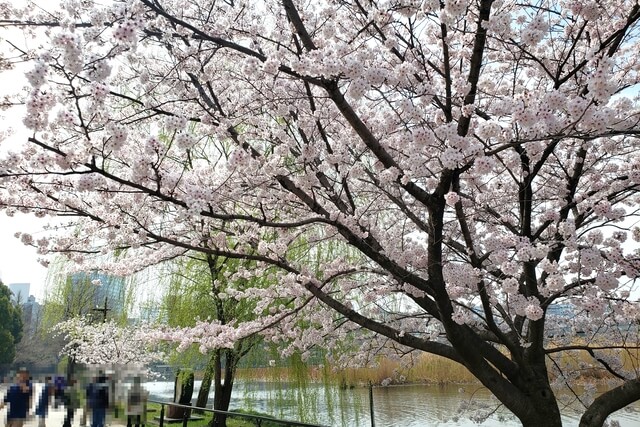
x: 258, y: 419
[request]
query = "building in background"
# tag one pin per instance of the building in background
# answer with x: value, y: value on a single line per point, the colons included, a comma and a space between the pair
x: 106, y: 289
x: 150, y: 312
x: 31, y: 309
x: 31, y: 312
x: 20, y: 292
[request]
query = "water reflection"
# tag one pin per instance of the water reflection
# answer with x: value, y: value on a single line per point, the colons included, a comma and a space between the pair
x: 407, y: 406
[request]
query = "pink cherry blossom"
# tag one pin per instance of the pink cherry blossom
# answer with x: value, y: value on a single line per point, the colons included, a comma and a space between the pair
x: 453, y: 177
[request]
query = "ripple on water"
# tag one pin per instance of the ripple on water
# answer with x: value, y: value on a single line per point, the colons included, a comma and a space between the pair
x: 406, y: 406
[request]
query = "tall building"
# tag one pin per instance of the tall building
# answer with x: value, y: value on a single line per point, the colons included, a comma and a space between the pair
x: 20, y: 292
x: 31, y: 311
x: 111, y: 289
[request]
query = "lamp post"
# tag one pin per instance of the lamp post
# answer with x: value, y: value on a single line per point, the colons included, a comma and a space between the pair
x: 103, y: 310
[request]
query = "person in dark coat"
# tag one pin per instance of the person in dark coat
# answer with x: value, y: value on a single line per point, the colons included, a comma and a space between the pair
x: 19, y: 397
x: 99, y: 401
x: 60, y: 384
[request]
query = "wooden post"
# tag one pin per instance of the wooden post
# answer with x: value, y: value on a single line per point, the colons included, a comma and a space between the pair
x: 162, y: 415
x: 373, y: 423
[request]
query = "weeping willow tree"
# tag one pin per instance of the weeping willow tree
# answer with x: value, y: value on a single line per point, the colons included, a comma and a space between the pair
x: 210, y: 288
x: 198, y: 292
x: 223, y: 291
x: 303, y: 378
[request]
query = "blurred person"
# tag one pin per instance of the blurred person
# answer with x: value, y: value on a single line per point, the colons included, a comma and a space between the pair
x: 136, y: 404
x: 99, y: 400
x: 19, y: 397
x: 42, y: 408
x: 86, y: 407
x: 59, y: 386
x: 71, y: 400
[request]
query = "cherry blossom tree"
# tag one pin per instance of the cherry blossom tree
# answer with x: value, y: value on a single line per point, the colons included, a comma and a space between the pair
x: 108, y: 344
x: 478, y: 158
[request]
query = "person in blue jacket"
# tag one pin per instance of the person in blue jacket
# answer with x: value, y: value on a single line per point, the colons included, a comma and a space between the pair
x: 42, y: 407
x: 60, y: 385
x: 19, y: 397
x: 99, y: 400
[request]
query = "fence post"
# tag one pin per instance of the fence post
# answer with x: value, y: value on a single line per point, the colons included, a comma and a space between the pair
x: 185, y: 417
x: 373, y: 423
x: 162, y: 415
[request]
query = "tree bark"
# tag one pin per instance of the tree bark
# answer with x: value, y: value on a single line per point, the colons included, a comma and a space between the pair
x: 205, y: 387
x: 231, y: 360
x: 223, y: 388
x: 218, y: 420
x: 541, y: 403
x: 609, y: 402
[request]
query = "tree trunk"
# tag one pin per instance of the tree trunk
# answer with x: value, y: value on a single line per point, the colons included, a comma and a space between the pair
x: 536, y: 405
x: 71, y: 368
x: 218, y: 420
x: 229, y: 377
x: 544, y: 405
x: 523, y: 388
x: 534, y: 381
x: 223, y: 388
x: 203, y: 394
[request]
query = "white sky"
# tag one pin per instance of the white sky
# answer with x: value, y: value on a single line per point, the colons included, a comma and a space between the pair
x: 18, y: 263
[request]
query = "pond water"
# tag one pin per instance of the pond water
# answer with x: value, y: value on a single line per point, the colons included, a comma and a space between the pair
x: 394, y: 406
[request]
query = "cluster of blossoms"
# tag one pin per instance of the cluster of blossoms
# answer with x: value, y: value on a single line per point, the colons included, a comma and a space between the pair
x: 38, y: 106
x: 98, y: 68
x: 65, y: 118
x: 175, y: 123
x: 127, y: 31
x: 117, y: 135
x: 533, y: 32
x: 601, y: 87
x: 589, y: 10
x: 37, y: 76
x: 107, y: 343
x: 69, y: 44
x: 358, y: 88
x: 99, y: 91
x: 90, y: 182
x: 185, y: 141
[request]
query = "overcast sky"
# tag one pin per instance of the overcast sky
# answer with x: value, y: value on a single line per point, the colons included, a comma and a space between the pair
x: 18, y: 263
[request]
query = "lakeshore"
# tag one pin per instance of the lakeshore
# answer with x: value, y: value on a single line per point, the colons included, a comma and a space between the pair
x: 414, y: 405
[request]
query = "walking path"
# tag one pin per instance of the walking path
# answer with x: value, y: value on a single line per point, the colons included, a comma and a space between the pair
x: 55, y: 418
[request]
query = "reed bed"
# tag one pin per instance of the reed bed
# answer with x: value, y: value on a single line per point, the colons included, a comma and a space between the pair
x: 428, y: 369
x: 432, y: 369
